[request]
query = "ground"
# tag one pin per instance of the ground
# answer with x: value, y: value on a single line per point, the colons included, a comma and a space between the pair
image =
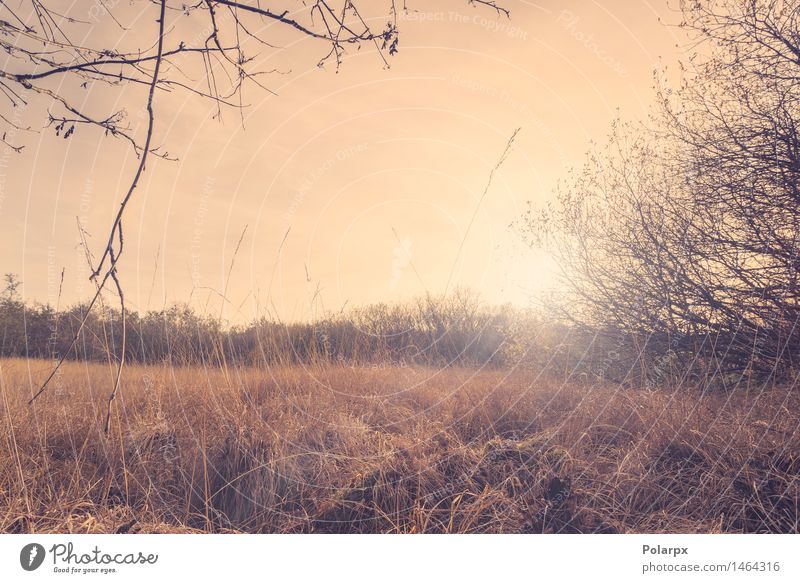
x: 391, y: 450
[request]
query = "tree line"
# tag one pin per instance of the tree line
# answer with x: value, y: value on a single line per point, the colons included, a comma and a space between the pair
x: 457, y: 329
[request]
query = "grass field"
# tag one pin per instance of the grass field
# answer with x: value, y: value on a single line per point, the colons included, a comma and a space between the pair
x: 391, y: 450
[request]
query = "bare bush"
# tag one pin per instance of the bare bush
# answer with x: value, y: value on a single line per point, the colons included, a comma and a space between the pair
x: 682, y: 235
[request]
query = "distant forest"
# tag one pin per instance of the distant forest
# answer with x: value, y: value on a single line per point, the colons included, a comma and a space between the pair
x: 456, y: 330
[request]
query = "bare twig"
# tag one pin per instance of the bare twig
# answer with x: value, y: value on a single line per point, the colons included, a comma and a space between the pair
x: 496, y: 167
x: 116, y: 231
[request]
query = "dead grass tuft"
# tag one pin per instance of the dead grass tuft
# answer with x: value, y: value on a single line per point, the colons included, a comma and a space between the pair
x: 335, y: 449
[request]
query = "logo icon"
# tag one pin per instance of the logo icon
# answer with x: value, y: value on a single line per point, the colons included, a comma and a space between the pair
x: 31, y: 556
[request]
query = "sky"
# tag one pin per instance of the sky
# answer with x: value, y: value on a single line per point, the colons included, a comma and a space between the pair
x: 346, y: 186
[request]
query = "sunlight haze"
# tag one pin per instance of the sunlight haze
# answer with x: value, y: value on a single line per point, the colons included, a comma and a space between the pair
x: 375, y: 173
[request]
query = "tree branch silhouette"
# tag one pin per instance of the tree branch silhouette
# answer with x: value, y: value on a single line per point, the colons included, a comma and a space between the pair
x: 42, y: 56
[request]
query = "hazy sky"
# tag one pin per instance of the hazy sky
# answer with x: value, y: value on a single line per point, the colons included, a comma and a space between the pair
x: 376, y: 173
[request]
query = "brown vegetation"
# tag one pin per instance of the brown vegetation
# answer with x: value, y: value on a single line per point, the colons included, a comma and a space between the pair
x: 389, y: 449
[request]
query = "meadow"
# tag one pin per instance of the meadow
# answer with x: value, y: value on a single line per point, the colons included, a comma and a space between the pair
x: 332, y: 448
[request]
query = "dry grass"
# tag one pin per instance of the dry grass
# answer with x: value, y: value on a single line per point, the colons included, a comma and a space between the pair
x: 335, y: 449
